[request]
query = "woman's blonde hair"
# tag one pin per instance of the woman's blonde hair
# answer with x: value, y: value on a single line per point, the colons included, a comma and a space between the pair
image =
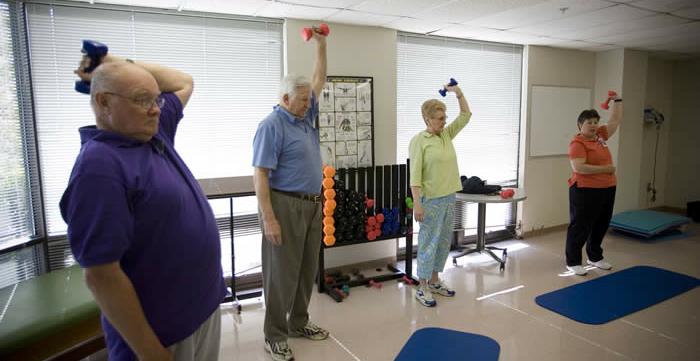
x: 429, y: 108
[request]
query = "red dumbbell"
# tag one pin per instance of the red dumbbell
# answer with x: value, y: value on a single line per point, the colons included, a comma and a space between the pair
x: 606, y: 104
x: 374, y: 284
x: 371, y: 220
x: 408, y: 281
x: 507, y: 193
x: 306, y: 33
x: 379, y: 217
x: 369, y: 203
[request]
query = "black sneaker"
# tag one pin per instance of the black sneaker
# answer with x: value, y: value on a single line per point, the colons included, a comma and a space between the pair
x: 311, y: 331
x: 279, y: 351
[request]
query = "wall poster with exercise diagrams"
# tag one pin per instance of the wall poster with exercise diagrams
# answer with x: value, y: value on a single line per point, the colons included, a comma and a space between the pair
x: 346, y: 122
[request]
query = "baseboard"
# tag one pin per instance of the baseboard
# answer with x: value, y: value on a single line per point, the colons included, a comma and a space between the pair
x: 545, y: 230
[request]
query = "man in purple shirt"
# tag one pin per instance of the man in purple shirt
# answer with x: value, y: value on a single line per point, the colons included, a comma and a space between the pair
x: 138, y: 222
x: 287, y: 177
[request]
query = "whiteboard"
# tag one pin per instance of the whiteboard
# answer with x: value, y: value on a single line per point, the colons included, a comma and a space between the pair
x: 553, y: 114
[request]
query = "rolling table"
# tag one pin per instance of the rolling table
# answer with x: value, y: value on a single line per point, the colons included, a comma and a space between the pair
x: 231, y: 187
x: 481, y: 246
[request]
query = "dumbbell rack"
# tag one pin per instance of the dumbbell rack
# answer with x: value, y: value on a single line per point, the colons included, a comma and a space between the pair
x: 389, y: 186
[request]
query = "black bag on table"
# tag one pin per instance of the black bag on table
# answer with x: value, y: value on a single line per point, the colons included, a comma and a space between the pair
x: 474, y: 185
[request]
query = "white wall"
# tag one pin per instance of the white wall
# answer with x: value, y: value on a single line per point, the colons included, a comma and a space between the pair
x: 684, y: 160
x: 545, y: 178
x: 609, y: 66
x: 659, y: 96
x: 631, y: 132
x: 356, y: 51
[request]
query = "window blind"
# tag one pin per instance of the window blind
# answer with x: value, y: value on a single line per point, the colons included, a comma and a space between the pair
x: 236, y: 65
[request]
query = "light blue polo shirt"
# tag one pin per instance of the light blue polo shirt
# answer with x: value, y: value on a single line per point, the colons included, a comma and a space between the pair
x: 289, y: 146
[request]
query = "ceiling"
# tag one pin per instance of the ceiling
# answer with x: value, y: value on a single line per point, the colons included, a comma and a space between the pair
x: 666, y: 28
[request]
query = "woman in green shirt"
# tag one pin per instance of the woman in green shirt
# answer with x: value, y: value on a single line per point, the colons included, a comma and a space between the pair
x: 434, y: 181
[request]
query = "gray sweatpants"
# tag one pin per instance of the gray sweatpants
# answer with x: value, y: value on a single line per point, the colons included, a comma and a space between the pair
x: 203, y: 344
x: 289, y: 269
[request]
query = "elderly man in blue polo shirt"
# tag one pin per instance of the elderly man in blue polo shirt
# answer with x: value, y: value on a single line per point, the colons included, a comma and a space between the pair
x: 287, y: 161
x: 138, y: 222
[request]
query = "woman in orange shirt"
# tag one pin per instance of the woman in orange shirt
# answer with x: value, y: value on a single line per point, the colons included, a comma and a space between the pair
x: 591, y: 188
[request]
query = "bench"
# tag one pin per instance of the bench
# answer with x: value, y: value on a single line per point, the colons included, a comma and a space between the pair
x: 53, y: 316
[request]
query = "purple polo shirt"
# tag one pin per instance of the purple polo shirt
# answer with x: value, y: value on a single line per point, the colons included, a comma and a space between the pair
x: 138, y: 203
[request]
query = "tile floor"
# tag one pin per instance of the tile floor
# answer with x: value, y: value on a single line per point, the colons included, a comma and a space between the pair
x: 373, y: 324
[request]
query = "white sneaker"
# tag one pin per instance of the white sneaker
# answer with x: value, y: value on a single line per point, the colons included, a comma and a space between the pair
x: 312, y: 332
x: 600, y: 264
x: 441, y: 289
x: 578, y: 270
x: 425, y: 297
x: 279, y: 351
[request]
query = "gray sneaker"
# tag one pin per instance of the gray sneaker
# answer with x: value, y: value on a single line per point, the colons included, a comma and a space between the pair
x: 311, y: 331
x: 279, y: 351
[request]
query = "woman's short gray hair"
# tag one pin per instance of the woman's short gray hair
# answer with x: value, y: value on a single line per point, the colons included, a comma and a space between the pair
x: 291, y: 83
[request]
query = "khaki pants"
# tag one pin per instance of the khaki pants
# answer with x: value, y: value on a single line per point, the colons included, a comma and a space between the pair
x: 289, y: 269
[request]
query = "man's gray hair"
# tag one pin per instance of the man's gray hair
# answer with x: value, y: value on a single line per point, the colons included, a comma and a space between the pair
x: 291, y: 83
x: 104, y: 78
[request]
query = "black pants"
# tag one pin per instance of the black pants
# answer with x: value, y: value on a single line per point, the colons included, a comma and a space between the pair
x: 590, y: 211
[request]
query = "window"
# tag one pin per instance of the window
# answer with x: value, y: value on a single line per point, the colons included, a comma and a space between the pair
x: 236, y: 63
x: 18, y: 190
x: 490, y: 76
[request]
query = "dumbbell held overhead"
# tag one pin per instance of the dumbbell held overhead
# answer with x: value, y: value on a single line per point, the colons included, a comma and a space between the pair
x: 95, y: 51
x: 606, y: 104
x: 443, y: 91
x: 307, y: 33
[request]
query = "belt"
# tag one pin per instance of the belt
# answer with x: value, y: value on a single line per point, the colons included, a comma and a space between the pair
x: 316, y: 198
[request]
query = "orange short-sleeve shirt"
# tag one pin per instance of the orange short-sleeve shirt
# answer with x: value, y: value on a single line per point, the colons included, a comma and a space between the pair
x: 596, y: 152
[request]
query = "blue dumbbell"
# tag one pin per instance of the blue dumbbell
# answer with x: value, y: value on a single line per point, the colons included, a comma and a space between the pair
x: 95, y: 51
x: 443, y: 91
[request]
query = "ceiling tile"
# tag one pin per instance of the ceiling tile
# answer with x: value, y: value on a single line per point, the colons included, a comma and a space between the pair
x: 689, y: 13
x: 510, y: 18
x: 336, y: 4
x: 667, y: 6
x: 669, y: 32
x: 464, y: 31
x: 361, y: 18
x: 622, y: 27
x: 462, y: 11
x: 284, y: 10
x: 515, y: 38
x: 415, y: 26
x: 613, y: 14
x: 239, y: 7
x: 399, y: 7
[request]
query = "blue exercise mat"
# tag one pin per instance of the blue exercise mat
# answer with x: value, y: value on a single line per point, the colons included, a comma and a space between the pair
x: 646, y: 223
x: 434, y: 343
x: 616, y: 295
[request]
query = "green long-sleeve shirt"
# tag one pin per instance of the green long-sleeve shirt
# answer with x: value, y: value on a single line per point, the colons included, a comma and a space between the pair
x: 434, y: 160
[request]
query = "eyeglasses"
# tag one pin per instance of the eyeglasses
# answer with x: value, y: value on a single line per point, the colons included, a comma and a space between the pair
x: 144, y: 103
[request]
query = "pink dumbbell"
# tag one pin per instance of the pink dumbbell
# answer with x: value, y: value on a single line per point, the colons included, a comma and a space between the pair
x: 605, y: 105
x: 306, y: 33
